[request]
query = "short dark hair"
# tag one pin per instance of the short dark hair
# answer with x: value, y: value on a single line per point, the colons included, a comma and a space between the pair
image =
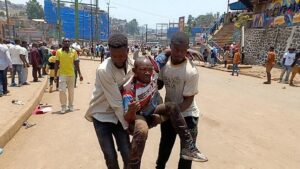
x: 118, y: 41
x: 180, y: 38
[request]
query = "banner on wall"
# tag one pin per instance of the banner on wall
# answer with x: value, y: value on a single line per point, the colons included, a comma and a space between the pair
x: 279, y: 3
x: 296, y: 18
x: 258, y: 20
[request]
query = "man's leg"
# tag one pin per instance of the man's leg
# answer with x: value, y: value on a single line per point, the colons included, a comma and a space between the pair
x: 13, y: 76
x: 34, y: 73
x: 4, y: 81
x: 104, y: 133
x: 167, y: 140
x: 25, y: 75
x: 20, y: 74
x: 138, y: 142
x: 1, y: 82
x: 289, y: 68
x: 192, y: 123
x: 62, y: 93
x: 123, y: 143
x: 294, y: 72
x: 282, y: 73
x: 70, y: 86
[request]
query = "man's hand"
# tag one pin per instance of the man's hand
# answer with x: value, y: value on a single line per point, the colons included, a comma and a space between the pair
x: 81, y: 78
x: 133, y: 107
x: 155, y: 120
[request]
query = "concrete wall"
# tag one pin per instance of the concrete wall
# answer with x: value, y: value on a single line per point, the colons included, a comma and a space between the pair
x: 258, y: 41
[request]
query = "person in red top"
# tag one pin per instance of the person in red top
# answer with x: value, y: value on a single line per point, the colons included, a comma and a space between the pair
x: 35, y: 61
x: 142, y: 105
x: 236, y: 62
x: 270, y: 63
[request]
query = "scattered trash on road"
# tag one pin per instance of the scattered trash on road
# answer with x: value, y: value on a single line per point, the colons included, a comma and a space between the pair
x: 1, y: 151
x: 28, y: 125
x: 284, y: 87
x: 42, y: 109
x: 17, y: 102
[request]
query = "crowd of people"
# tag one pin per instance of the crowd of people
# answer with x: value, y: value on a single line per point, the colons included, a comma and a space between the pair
x: 281, y: 10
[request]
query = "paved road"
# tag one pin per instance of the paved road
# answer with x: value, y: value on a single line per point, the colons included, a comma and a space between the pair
x: 244, y: 125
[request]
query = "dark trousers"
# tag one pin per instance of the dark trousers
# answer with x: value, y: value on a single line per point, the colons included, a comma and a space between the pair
x: 105, y: 132
x: 52, y: 80
x: 35, y: 71
x: 167, y: 140
x: 3, y: 80
x: 225, y: 63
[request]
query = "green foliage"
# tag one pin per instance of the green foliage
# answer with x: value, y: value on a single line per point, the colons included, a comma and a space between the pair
x: 132, y: 27
x: 34, y: 10
x: 2, y: 14
x: 242, y: 20
x: 200, y: 21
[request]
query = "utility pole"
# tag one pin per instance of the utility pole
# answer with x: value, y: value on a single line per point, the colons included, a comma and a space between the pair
x: 7, y: 18
x: 58, y: 21
x: 146, y: 33
x: 92, y: 30
x: 76, y: 21
x: 97, y: 21
x: 228, y: 6
x: 108, y: 19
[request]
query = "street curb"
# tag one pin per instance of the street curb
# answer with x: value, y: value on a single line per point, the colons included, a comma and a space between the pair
x: 15, y: 124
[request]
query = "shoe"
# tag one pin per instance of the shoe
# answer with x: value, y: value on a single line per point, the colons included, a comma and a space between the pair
x: 292, y: 84
x: 6, y: 92
x: 26, y: 83
x: 63, y: 109
x: 13, y: 85
x: 19, y: 85
x: 193, y: 155
x: 71, y: 108
x: 50, y: 89
x: 267, y: 82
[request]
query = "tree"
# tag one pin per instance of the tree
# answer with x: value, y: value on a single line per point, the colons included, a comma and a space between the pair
x: 242, y: 20
x: 190, y: 24
x: 2, y: 14
x: 132, y: 27
x: 34, y: 10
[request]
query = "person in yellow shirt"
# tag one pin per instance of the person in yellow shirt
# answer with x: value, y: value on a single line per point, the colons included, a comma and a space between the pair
x: 50, y: 69
x: 236, y: 62
x: 269, y: 64
x: 66, y: 58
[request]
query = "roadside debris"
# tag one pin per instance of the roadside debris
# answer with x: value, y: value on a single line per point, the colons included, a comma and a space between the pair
x: 1, y: 151
x: 28, y: 125
x: 17, y: 102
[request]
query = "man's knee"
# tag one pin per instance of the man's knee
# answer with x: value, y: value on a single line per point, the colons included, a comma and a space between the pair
x: 141, y: 130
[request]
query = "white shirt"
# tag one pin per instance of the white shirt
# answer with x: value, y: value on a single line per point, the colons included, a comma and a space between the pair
x: 25, y: 52
x: 106, y: 104
x: 5, y: 60
x: 181, y: 81
x: 15, y: 52
x: 289, y: 58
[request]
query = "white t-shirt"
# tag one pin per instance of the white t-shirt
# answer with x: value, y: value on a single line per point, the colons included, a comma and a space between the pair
x: 25, y: 52
x: 15, y: 52
x: 289, y: 58
x: 181, y: 80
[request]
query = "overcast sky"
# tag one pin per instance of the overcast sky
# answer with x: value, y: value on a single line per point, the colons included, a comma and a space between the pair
x: 156, y: 11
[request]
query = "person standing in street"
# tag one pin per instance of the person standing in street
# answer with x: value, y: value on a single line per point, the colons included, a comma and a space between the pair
x: 65, y: 61
x: 287, y: 61
x: 5, y: 65
x: 296, y: 69
x: 18, y: 61
x: 236, y: 61
x: 269, y: 64
x: 180, y: 78
x: 106, y: 107
x: 226, y: 57
x: 35, y: 61
x: 25, y: 68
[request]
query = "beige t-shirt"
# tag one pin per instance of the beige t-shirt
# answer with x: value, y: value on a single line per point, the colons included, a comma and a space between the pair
x: 181, y: 80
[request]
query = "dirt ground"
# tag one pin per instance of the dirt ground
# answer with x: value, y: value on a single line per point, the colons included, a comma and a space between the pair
x: 244, y: 125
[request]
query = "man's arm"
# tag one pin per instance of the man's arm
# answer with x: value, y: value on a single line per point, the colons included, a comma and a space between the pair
x: 112, y: 94
x: 187, y: 102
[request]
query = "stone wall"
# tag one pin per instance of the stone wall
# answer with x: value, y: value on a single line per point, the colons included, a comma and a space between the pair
x: 258, y: 41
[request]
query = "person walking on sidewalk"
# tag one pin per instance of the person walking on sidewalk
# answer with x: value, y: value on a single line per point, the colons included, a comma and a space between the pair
x: 18, y: 61
x: 236, y: 62
x: 144, y: 109
x: 226, y: 57
x: 36, y: 61
x: 296, y: 69
x: 180, y: 78
x: 106, y: 108
x: 5, y: 65
x: 269, y: 64
x: 65, y: 61
x: 25, y: 68
x: 287, y: 61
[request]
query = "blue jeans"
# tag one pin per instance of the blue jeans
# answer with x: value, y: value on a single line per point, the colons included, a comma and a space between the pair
x: 105, y: 132
x: 3, y: 81
x: 235, y: 68
x: 287, y: 70
x: 17, y: 69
